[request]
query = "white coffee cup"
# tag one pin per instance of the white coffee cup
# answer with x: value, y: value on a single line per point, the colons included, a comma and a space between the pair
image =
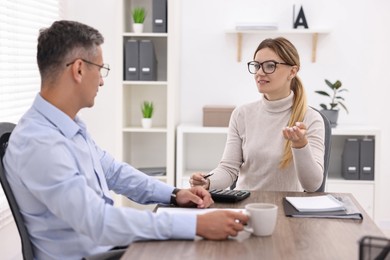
x: 262, y: 218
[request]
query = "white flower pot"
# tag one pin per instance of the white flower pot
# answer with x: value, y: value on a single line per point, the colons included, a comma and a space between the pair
x: 146, y: 122
x: 138, y: 27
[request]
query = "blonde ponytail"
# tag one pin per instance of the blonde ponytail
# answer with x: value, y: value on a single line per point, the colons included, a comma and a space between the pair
x: 297, y: 115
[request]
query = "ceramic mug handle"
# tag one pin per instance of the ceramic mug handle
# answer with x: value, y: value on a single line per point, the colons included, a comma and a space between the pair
x: 248, y: 227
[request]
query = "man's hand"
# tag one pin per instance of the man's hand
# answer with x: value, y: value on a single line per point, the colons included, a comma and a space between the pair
x: 195, y: 196
x: 220, y: 224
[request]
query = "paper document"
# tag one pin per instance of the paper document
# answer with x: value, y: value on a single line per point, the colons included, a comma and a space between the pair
x: 316, y: 203
x: 350, y: 211
x: 195, y: 211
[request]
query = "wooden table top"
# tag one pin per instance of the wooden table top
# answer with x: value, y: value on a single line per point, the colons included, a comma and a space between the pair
x: 293, y: 238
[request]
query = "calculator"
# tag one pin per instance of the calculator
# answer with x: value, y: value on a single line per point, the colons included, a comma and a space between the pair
x: 219, y: 195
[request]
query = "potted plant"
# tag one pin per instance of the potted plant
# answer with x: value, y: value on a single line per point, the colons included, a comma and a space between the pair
x: 138, y: 15
x: 332, y: 111
x: 147, y: 113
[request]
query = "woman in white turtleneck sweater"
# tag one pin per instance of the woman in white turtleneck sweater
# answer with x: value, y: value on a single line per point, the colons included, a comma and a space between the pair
x: 276, y: 143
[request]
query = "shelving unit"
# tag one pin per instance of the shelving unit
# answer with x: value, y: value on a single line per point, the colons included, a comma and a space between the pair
x: 201, y: 148
x: 364, y: 191
x: 313, y: 32
x: 149, y: 147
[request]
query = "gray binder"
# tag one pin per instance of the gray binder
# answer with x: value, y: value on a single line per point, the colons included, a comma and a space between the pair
x: 160, y: 16
x: 148, y: 61
x: 131, y: 60
x: 350, y: 159
x: 367, y: 157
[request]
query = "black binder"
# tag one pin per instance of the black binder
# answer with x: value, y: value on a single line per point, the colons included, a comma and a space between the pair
x: 131, y: 60
x: 367, y: 155
x: 350, y: 159
x: 148, y: 61
x: 160, y: 16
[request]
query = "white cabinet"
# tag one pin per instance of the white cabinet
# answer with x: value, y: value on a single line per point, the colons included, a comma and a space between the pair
x: 365, y: 191
x: 149, y: 147
x: 201, y: 148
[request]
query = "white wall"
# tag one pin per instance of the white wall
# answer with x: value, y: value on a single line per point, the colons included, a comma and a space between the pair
x: 355, y: 52
x: 10, y: 245
x: 102, y: 120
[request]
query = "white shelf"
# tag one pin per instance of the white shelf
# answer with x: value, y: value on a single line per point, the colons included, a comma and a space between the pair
x: 340, y: 180
x: 287, y: 31
x: 145, y: 130
x: 314, y: 33
x: 145, y: 35
x: 355, y: 130
x: 144, y: 83
x: 201, y: 148
x: 150, y: 147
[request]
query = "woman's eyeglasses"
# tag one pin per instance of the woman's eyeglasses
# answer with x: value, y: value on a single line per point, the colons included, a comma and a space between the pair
x: 268, y: 66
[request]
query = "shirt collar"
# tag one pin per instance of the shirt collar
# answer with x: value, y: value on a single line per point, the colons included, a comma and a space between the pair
x: 62, y: 121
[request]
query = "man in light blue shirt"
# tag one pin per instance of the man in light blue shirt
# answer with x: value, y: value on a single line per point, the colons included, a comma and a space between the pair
x: 61, y: 179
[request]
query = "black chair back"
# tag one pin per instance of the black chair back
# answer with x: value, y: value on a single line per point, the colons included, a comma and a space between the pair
x: 27, y: 249
x: 328, y: 145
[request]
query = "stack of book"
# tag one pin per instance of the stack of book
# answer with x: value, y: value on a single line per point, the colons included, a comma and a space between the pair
x: 256, y: 26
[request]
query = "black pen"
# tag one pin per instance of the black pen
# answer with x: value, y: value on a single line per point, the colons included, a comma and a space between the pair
x: 208, y: 175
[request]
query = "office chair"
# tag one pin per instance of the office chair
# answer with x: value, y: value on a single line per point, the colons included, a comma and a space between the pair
x: 328, y: 145
x: 27, y: 249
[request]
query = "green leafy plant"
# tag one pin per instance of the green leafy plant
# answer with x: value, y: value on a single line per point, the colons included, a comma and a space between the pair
x: 139, y: 15
x: 147, y: 109
x: 336, y: 98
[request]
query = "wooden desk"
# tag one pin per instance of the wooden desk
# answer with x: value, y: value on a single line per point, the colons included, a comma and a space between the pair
x: 293, y: 238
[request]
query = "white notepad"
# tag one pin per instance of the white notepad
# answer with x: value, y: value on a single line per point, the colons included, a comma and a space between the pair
x: 316, y: 203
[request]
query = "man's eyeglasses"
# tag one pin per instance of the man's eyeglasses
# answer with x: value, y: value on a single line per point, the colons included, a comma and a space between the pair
x: 268, y: 66
x: 104, y: 69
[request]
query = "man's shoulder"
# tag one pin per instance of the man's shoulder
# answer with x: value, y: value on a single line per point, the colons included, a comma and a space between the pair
x: 34, y: 129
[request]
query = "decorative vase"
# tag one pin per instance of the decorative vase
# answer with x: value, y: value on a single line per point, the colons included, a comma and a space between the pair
x: 146, y: 122
x: 332, y: 116
x: 138, y: 27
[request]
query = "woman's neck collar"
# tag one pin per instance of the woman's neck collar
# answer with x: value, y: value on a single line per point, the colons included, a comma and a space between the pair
x: 280, y: 104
